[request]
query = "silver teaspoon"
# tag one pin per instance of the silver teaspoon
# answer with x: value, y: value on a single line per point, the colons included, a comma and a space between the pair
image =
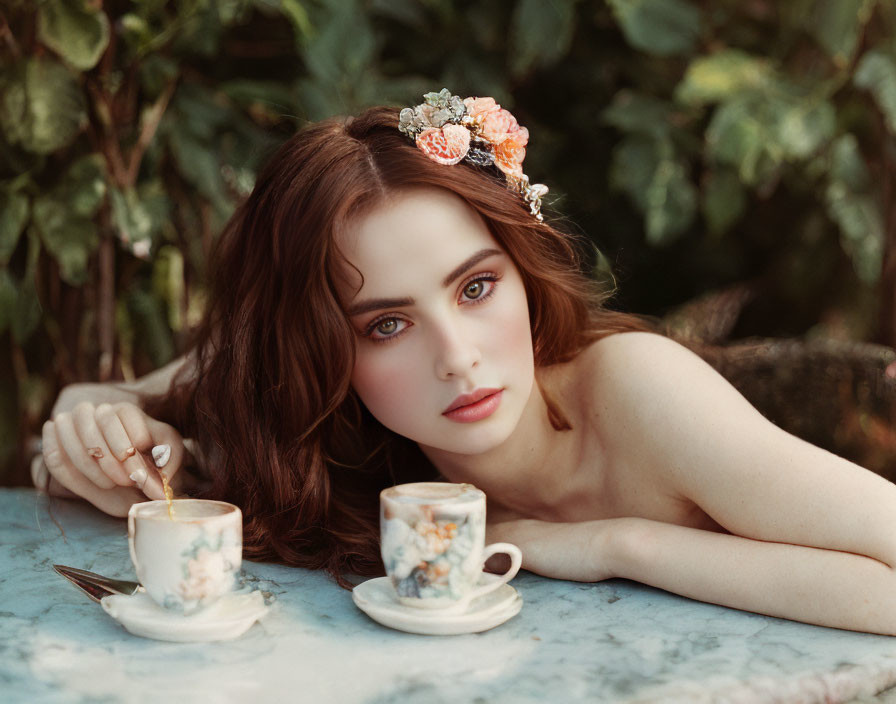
x: 96, y: 586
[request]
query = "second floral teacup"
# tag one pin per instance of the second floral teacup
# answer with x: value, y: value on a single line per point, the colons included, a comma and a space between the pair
x: 187, y: 562
x: 433, y: 545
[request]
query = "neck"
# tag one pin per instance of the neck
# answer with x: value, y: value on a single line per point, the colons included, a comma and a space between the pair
x: 530, y: 473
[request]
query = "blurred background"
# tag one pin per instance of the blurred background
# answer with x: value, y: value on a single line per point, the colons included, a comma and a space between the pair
x: 732, y: 162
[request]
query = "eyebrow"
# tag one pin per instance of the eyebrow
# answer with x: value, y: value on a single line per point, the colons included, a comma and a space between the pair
x: 380, y: 303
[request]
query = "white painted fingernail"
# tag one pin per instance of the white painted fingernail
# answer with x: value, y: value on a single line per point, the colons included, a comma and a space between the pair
x: 139, y: 477
x: 161, y: 454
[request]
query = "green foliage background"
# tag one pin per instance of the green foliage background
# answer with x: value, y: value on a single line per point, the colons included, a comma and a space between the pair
x: 697, y: 144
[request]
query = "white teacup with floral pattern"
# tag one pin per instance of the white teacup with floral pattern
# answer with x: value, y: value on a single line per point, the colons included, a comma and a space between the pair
x: 188, y: 562
x: 433, y: 545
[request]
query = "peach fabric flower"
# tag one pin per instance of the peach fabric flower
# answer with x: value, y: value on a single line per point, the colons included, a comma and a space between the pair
x: 510, y: 153
x: 477, y: 107
x: 498, y: 125
x: 446, y: 145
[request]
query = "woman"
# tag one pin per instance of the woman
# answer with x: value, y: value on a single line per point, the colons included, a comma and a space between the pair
x: 386, y: 270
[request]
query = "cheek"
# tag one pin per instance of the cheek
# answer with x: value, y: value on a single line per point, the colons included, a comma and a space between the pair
x: 511, y: 333
x: 383, y: 383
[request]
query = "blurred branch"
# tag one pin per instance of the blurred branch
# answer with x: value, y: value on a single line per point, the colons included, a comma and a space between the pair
x: 147, y: 132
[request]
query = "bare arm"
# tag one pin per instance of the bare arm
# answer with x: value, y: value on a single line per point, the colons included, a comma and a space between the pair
x: 811, y: 534
x: 155, y: 382
x: 813, y: 585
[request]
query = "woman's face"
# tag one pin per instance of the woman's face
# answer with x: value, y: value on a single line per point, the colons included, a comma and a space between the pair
x: 442, y: 312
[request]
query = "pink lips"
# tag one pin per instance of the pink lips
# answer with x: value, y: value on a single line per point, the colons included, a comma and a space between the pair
x: 475, y: 406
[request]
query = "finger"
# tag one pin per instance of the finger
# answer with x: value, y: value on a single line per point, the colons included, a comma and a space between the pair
x: 122, y: 441
x: 65, y: 478
x: 56, y: 489
x: 44, y: 482
x: 159, y: 433
x: 58, y: 465
x: 40, y: 475
x: 84, y: 417
x: 74, y: 448
x: 138, y: 427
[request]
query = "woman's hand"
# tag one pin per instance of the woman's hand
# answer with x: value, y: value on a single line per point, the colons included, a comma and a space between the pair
x: 581, y: 552
x: 96, y: 453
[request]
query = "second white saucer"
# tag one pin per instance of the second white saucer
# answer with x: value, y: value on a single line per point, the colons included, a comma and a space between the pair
x: 376, y: 598
x: 229, y: 617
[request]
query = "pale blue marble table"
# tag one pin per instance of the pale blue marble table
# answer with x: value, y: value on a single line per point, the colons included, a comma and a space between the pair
x: 615, y: 641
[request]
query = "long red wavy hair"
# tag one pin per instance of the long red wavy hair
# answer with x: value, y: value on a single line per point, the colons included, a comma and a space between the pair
x: 280, y: 432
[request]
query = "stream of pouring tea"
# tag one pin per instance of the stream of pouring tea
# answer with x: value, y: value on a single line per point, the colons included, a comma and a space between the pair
x: 160, y: 455
x: 169, y: 495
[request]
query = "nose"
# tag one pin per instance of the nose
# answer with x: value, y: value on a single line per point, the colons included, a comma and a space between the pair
x: 456, y: 350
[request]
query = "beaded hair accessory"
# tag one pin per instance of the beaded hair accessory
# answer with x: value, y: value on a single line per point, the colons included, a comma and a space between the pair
x: 448, y: 129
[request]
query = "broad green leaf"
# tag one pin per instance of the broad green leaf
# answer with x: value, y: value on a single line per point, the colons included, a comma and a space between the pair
x: 199, y: 165
x: 14, y: 212
x: 133, y: 223
x: 339, y: 55
x: 78, y: 34
x: 70, y: 239
x: 803, y: 126
x: 271, y: 94
x: 836, y: 25
x: 660, y: 27
x: 671, y: 202
x: 198, y: 111
x: 84, y: 185
x: 168, y: 283
x: 861, y: 229
x: 409, y: 12
x: 852, y: 205
x: 298, y: 16
x: 148, y: 315
x: 201, y: 29
x: 155, y: 202
x: 635, y: 161
x: 34, y: 394
x: 877, y: 73
x: 637, y: 112
x: 14, y: 159
x: 41, y: 105
x: 742, y: 134
x: 724, y: 200
x: 156, y: 72
x: 657, y: 183
x: 8, y: 295
x: 27, y: 310
x: 267, y: 102
x: 719, y: 76
x: 316, y: 102
x: 847, y: 165
x: 540, y: 33
x: 124, y: 332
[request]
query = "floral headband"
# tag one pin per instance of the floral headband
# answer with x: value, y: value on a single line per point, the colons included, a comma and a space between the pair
x: 449, y: 129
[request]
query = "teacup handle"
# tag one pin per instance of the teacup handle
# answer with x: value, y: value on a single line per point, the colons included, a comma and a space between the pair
x: 516, y: 560
x: 132, y: 534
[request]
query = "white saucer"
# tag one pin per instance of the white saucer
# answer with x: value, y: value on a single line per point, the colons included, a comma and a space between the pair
x: 376, y: 598
x: 227, y: 618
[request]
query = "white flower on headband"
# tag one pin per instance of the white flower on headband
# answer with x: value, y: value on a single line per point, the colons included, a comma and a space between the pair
x: 449, y: 129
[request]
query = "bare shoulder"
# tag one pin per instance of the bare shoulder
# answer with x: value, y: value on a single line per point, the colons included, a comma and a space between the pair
x: 635, y: 360
x: 641, y: 382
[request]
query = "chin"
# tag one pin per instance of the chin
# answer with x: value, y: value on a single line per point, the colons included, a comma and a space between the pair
x: 472, y: 438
